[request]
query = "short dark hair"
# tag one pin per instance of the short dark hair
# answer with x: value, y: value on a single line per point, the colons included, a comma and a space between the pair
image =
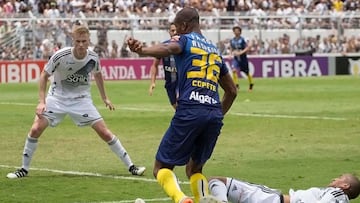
x: 236, y: 28
x: 354, y: 190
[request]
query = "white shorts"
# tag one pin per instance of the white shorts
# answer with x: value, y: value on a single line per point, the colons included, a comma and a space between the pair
x: 82, y: 111
x: 245, y: 192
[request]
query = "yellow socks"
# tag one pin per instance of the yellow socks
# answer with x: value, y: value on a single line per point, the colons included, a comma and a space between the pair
x: 250, y: 79
x: 235, y: 77
x: 168, y: 181
x: 199, y: 186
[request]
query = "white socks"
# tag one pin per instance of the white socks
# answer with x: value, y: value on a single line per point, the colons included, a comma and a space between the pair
x: 29, y: 149
x: 218, y: 189
x: 119, y: 150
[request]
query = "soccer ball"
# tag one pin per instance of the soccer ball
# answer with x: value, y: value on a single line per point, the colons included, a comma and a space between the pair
x: 139, y: 200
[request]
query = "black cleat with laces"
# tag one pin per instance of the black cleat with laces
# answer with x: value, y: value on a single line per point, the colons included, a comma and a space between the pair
x: 138, y: 171
x: 19, y: 173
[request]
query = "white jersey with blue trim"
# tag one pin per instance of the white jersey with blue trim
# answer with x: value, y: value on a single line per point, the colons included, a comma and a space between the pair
x: 318, y: 195
x: 71, y: 77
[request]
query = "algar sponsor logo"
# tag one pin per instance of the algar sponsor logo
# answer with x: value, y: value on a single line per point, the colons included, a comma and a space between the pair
x: 203, y: 99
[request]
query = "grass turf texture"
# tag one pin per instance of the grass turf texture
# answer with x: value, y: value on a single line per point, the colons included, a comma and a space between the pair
x: 288, y: 133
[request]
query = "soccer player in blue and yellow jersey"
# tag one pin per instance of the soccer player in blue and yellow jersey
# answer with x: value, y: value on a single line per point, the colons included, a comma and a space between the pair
x: 196, y: 125
x: 169, y: 70
x: 239, y: 48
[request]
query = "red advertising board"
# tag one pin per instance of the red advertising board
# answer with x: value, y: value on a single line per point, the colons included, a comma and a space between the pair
x: 113, y: 69
x: 128, y: 69
x: 139, y: 68
x: 20, y: 71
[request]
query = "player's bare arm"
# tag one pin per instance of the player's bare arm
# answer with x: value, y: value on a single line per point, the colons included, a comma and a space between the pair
x: 244, y: 51
x: 234, y: 52
x: 230, y: 92
x: 158, y: 51
x: 100, y: 84
x: 44, y: 77
x: 153, y: 72
x: 239, y: 52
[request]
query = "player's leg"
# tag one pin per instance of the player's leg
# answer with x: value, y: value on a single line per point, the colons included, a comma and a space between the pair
x: 205, y: 144
x: 93, y: 118
x: 174, y: 150
x: 245, y: 69
x: 116, y: 146
x: 198, y: 182
x: 235, y: 67
x: 53, y: 115
x: 30, y: 146
x: 217, y: 186
x: 168, y: 181
x: 199, y: 185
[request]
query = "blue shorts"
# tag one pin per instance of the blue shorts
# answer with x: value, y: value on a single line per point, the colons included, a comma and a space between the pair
x: 192, y: 133
x: 171, y: 90
x: 241, y: 65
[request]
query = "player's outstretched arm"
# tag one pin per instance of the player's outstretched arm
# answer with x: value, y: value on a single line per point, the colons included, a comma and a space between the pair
x: 158, y: 51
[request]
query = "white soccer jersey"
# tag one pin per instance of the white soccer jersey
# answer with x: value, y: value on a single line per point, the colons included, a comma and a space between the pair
x: 318, y: 195
x: 71, y: 77
x: 245, y: 192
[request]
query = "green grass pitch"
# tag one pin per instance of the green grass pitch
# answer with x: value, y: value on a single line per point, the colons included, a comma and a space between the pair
x: 288, y: 133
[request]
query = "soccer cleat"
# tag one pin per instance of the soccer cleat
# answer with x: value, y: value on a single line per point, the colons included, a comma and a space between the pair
x: 139, y: 200
x: 209, y: 199
x: 19, y: 173
x: 251, y: 86
x: 186, y: 200
x: 138, y: 171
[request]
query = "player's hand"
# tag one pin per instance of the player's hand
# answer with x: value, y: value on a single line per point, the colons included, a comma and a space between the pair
x: 239, y: 52
x: 134, y: 45
x: 109, y: 105
x: 40, y: 109
x: 151, y: 88
x: 175, y: 38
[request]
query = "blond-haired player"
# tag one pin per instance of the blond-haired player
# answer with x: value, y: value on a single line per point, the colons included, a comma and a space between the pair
x: 71, y: 69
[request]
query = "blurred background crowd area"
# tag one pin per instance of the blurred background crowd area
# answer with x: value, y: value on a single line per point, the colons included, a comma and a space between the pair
x: 35, y: 29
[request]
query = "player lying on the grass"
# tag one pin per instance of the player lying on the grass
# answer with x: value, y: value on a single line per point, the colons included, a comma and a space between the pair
x: 340, y: 190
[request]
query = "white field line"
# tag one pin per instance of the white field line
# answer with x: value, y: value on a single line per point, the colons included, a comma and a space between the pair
x: 132, y: 201
x: 232, y: 113
x: 78, y: 173
x: 289, y: 116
